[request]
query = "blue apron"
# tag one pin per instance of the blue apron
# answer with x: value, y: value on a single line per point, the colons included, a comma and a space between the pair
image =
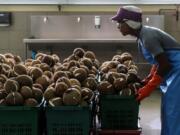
x: 170, y: 87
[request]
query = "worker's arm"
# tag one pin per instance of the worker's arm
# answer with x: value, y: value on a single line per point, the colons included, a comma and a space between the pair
x: 163, y: 68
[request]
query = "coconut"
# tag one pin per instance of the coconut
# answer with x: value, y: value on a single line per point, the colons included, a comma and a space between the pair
x: 112, y: 64
x: 87, y: 62
x: 96, y: 63
x: 11, y: 86
x: 14, y: 98
x: 35, y: 62
x: 39, y: 86
x: 24, y: 80
x: 59, y: 74
x: 134, y: 87
x: 71, y: 96
x: 79, y: 52
x: 49, y: 93
x: 3, y: 93
x: 48, y: 59
x: 92, y: 75
x: 119, y: 83
x: 45, y: 67
x: 90, y: 55
x: 60, y: 88
x: 43, y: 81
x: 80, y: 74
x: 73, y: 63
x: 121, y: 68
x: 30, y: 102
x: 65, y: 80
x: 58, y: 101
x: 39, y: 56
x: 3, y: 78
x: 17, y: 59
x: 74, y: 81
x: 9, y: 55
x: 132, y: 76
x: 117, y: 58
x: 2, y: 58
x: 87, y: 94
x: 49, y: 74
x: 104, y: 87
x: 126, y: 56
x: 37, y: 94
x: 55, y: 58
x: 90, y: 83
x: 84, y: 67
x: 26, y: 92
x: 35, y: 73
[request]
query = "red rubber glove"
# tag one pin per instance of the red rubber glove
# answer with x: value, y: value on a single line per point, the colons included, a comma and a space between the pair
x: 152, y: 72
x: 149, y: 87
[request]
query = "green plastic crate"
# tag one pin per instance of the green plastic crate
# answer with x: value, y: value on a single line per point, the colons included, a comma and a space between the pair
x: 68, y: 120
x: 19, y: 120
x: 118, y: 112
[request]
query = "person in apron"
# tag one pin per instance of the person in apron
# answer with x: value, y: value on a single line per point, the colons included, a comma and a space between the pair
x: 162, y: 51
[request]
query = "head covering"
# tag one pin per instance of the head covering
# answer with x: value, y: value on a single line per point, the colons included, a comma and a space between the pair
x: 132, y: 16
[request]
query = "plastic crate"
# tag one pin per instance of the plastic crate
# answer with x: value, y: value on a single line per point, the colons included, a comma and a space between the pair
x: 68, y: 120
x: 19, y: 120
x: 118, y: 112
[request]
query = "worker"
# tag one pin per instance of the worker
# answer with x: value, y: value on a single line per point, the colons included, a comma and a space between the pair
x: 162, y: 51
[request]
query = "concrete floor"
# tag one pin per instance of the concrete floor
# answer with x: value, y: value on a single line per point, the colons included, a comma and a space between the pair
x: 150, y: 114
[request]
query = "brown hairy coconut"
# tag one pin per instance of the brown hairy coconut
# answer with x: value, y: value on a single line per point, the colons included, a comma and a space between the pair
x: 44, y: 81
x: 87, y: 62
x: 60, y: 88
x: 35, y: 72
x: 45, y: 67
x: 49, y: 93
x: 112, y: 64
x: 59, y: 74
x: 90, y: 83
x: 26, y: 92
x: 92, y: 75
x: 128, y: 63
x: 121, y: 68
x: 71, y: 96
x: 85, y: 67
x: 126, y: 56
x: 17, y: 59
x: 30, y: 102
x: 65, y: 80
x: 35, y: 62
x: 132, y: 76
x: 87, y: 94
x: 58, y: 101
x: 11, y: 86
x: 73, y: 63
x: 3, y: 93
x: 48, y: 59
x: 104, y: 87
x: 20, y: 69
x: 79, y: 52
x: 117, y: 58
x: 39, y: 56
x: 3, y: 78
x: 93, y: 70
x: 74, y: 81
x: 2, y: 58
x: 80, y: 74
x: 14, y: 98
x: 24, y: 80
x: 55, y: 58
x: 90, y: 55
x: 119, y: 83
x: 134, y: 87
x: 9, y: 55
x: 37, y: 94
x: 49, y: 74
x: 39, y: 86
x: 77, y: 87
x: 10, y: 62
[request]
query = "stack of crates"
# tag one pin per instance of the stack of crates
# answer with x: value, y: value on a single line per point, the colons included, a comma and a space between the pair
x: 68, y: 120
x: 19, y: 120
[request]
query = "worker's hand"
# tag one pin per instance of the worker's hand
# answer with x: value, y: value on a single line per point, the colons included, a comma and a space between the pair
x: 149, y: 87
x: 152, y: 72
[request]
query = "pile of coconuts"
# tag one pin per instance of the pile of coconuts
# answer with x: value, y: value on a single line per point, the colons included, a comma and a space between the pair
x: 73, y: 80
x: 119, y: 76
x: 23, y: 83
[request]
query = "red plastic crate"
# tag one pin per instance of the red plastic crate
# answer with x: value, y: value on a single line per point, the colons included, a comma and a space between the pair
x: 120, y: 132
